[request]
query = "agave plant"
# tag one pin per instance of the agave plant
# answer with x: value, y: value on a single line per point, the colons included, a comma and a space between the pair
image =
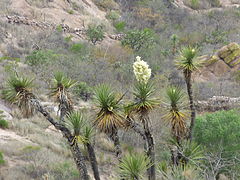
x: 133, y: 166
x: 109, y: 117
x: 17, y: 92
x: 187, y: 62
x: 175, y: 115
x: 179, y: 172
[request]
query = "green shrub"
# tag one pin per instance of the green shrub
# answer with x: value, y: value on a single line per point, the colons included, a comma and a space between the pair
x: 3, y: 122
x: 1, y: 158
x: 113, y: 15
x: 194, y: 4
x: 40, y: 57
x: 106, y: 4
x: 83, y: 90
x: 139, y: 39
x: 215, y: 3
x: 95, y: 33
x: 77, y: 48
x: 219, y: 130
x: 65, y: 170
x: 120, y: 26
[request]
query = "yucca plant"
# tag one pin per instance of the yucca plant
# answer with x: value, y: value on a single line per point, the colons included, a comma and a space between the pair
x: 133, y: 166
x: 188, y: 63
x: 83, y: 133
x: 17, y: 92
x: 179, y: 172
x: 109, y: 117
x: 144, y: 101
x: 175, y: 114
x: 60, y: 90
x: 75, y: 122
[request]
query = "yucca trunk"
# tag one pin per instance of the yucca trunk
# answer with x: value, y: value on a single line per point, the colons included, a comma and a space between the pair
x: 77, y: 154
x: 138, y: 129
x: 144, y: 117
x: 65, y: 106
x: 93, y: 160
x: 191, y: 103
x: 114, y: 137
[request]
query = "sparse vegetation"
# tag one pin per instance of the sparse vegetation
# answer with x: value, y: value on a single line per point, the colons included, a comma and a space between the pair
x: 139, y: 119
x: 1, y: 159
x: 95, y: 33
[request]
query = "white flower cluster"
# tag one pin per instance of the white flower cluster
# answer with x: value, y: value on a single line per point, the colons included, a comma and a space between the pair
x: 141, y: 70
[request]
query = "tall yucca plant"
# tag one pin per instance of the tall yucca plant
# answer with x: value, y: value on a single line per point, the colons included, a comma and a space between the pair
x: 133, y: 166
x: 175, y: 115
x: 187, y: 62
x: 83, y: 133
x: 109, y: 117
x: 143, y: 103
x: 17, y: 92
x: 60, y: 90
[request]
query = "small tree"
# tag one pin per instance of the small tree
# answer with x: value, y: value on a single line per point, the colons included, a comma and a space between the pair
x: 109, y: 117
x: 187, y: 62
x: 83, y: 132
x: 139, y: 39
x: 95, y: 33
x: 18, y: 91
x: 175, y: 114
x: 142, y: 105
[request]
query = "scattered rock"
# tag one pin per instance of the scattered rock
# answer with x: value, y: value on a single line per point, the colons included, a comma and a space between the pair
x: 217, y: 103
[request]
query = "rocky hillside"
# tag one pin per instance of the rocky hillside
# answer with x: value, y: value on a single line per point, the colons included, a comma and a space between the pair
x: 41, y: 37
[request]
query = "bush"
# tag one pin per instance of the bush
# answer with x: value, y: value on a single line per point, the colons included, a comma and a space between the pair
x: 65, y: 170
x: 40, y: 57
x: 106, y: 4
x: 113, y: 15
x: 3, y: 122
x: 120, y: 26
x: 219, y: 130
x: 77, y: 48
x: 139, y: 39
x: 95, y: 33
x: 1, y: 158
x: 83, y: 90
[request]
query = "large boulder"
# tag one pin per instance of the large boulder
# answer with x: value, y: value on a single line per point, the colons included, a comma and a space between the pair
x: 230, y: 54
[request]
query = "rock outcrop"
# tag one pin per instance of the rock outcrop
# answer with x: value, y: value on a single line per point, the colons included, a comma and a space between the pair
x: 217, y: 103
x: 230, y: 54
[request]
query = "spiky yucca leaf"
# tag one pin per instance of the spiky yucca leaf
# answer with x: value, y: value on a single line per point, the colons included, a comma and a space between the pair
x: 76, y: 123
x: 133, y: 166
x: 88, y: 133
x: 179, y: 172
x: 174, y: 114
x: 187, y: 60
x: 18, y: 91
x: 61, y: 83
x: 190, y: 152
x: 109, y: 116
x: 143, y: 98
